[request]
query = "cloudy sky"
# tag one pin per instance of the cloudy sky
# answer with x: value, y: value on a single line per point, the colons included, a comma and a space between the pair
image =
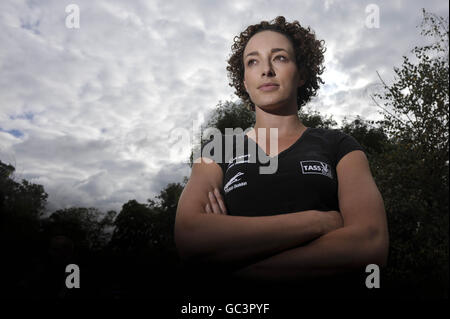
x: 88, y: 112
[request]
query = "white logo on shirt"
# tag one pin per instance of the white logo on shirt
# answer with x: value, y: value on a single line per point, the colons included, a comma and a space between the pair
x: 316, y: 167
x: 239, y: 160
x: 228, y: 186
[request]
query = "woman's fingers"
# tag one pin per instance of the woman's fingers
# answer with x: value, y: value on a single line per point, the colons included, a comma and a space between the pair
x: 220, y: 201
x: 214, y: 204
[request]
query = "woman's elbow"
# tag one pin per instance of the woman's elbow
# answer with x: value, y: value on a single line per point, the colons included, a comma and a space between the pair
x: 378, y: 246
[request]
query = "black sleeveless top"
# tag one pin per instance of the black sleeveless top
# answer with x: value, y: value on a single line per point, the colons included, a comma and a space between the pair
x: 302, y: 177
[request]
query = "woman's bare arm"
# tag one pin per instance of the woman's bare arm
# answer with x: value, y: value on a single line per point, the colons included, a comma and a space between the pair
x: 363, y: 240
x: 235, y: 240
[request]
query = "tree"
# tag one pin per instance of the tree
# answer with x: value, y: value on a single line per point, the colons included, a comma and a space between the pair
x: 416, y: 104
x: 231, y: 115
x: 21, y: 205
x: 143, y: 242
x: 414, y: 174
x: 312, y: 118
x: 133, y: 228
x: 165, y: 207
x: 86, y: 227
x: 372, y: 137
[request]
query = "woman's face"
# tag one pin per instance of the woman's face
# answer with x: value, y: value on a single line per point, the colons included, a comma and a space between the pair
x: 269, y: 58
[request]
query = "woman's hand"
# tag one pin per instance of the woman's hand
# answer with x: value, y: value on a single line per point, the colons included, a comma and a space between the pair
x: 331, y: 220
x: 216, y: 204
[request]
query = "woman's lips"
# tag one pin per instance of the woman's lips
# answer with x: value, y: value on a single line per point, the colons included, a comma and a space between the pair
x: 269, y: 87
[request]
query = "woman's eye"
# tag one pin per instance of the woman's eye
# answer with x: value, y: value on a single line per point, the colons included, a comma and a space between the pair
x: 279, y: 57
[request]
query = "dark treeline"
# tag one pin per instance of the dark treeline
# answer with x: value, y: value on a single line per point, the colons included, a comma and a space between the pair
x: 119, y: 255
x: 132, y: 253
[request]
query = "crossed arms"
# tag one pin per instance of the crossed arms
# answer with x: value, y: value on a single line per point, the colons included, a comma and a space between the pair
x: 289, y: 246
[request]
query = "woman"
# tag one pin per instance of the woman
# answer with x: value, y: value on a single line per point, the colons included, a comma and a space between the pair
x: 320, y: 214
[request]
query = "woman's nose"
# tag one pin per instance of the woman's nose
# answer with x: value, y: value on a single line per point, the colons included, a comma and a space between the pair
x: 268, y: 69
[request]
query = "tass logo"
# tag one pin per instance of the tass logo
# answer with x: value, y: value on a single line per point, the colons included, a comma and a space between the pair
x: 316, y: 167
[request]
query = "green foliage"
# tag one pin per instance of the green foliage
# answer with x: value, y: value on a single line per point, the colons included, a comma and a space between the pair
x: 416, y: 105
x: 133, y: 228
x: 373, y: 138
x: 312, y: 118
x: 412, y: 173
x: 21, y: 205
x: 231, y: 115
x: 86, y: 227
x: 148, y: 228
x: 166, y: 205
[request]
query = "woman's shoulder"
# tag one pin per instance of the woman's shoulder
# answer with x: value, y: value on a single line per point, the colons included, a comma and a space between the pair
x: 338, y: 141
x: 335, y: 138
x: 327, y: 133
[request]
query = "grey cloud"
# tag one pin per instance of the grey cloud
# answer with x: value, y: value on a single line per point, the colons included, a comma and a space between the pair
x: 350, y: 103
x: 105, y: 97
x: 169, y: 173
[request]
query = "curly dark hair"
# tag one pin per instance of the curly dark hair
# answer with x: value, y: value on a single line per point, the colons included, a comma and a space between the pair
x: 308, y: 55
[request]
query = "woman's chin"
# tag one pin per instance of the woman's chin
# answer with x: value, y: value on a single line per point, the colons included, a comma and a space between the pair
x: 274, y: 105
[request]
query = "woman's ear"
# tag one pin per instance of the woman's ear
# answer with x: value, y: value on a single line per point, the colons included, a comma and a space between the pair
x: 245, y: 84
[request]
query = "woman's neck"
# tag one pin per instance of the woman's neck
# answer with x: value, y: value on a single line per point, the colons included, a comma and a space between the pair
x: 287, y: 125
